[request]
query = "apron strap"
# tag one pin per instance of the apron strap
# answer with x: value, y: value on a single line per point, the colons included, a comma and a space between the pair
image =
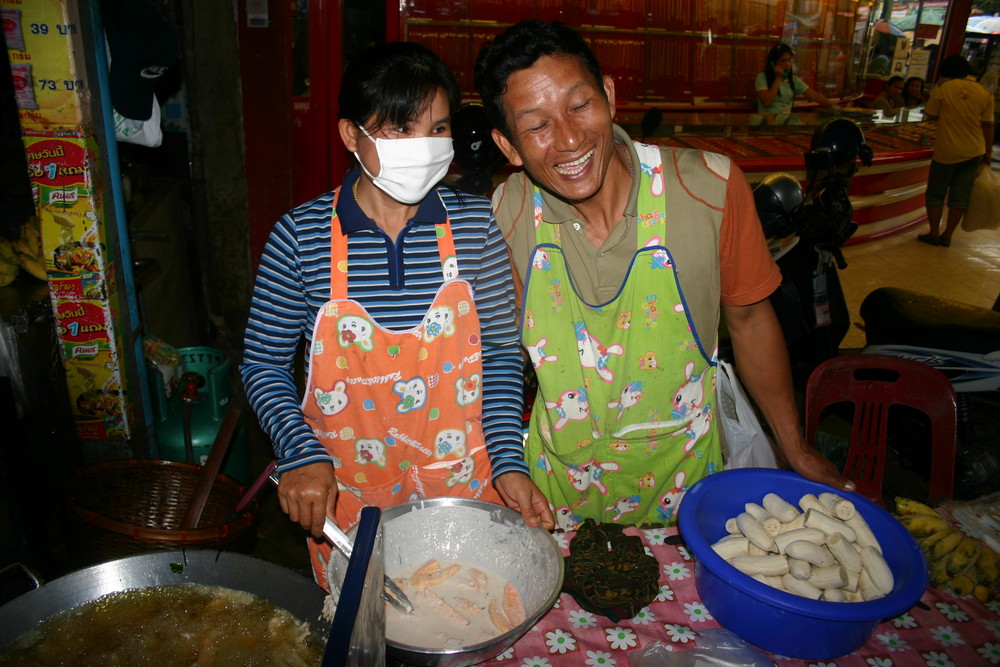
x: 338, y: 252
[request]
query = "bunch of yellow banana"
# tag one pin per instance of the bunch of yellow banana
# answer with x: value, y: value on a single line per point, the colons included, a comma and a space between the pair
x: 29, y: 249
x: 9, y: 266
x: 957, y: 563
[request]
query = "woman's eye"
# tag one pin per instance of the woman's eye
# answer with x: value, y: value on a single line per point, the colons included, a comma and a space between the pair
x: 538, y: 128
x: 582, y: 106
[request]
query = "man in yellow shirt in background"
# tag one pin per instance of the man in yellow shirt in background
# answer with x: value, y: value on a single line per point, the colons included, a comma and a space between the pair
x: 963, y: 110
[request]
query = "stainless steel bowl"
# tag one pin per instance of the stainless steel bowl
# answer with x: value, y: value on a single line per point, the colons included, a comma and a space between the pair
x: 487, y: 535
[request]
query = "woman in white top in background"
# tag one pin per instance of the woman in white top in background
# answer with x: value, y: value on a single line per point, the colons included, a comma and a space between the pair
x: 777, y: 86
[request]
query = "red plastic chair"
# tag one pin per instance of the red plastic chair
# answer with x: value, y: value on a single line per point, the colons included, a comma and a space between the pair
x: 853, y: 379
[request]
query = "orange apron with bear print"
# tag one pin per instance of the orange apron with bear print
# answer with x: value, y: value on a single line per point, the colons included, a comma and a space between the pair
x: 400, y: 412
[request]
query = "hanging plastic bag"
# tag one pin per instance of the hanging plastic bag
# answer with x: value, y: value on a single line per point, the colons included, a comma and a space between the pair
x: 984, y: 201
x: 745, y: 443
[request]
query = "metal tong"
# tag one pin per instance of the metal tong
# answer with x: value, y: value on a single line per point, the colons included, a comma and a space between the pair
x: 391, y: 593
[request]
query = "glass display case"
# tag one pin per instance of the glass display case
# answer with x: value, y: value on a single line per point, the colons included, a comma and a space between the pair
x: 888, y: 196
x: 665, y: 52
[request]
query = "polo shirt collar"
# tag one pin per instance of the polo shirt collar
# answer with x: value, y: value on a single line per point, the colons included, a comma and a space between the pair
x: 353, y: 219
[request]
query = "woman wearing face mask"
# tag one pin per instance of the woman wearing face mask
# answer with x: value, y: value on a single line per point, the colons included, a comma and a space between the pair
x: 778, y: 86
x: 402, y: 288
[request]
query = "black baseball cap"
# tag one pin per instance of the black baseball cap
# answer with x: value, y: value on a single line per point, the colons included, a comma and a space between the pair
x: 142, y: 48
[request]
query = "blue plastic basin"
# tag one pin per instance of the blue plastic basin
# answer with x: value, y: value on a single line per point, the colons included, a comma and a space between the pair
x: 776, y: 621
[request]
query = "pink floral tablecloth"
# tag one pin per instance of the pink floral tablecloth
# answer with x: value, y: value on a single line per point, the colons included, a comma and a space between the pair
x: 947, y: 633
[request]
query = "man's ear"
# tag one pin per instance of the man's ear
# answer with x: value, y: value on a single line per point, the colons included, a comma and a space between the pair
x: 609, y: 90
x: 349, y: 134
x: 507, y: 148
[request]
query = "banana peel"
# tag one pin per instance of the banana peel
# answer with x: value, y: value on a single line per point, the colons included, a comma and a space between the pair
x: 910, y: 506
x: 946, y: 545
x: 922, y: 525
x: 31, y: 235
x: 33, y: 266
x: 9, y: 266
x: 963, y: 556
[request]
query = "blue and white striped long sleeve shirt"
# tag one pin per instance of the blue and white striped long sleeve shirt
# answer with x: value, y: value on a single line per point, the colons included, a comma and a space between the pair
x: 396, y: 283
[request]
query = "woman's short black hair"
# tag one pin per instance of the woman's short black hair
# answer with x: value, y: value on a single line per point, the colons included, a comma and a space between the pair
x: 518, y: 48
x: 955, y: 67
x: 892, y: 80
x: 393, y: 83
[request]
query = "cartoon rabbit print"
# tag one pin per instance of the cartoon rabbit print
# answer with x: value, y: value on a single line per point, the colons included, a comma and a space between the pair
x: 672, y: 498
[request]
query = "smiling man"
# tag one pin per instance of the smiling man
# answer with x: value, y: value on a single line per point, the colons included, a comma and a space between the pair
x: 628, y: 255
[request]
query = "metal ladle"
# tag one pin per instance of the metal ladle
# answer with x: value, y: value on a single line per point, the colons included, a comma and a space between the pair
x: 391, y: 593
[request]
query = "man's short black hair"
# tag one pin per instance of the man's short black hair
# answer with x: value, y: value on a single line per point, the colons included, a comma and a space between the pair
x: 518, y: 48
x: 955, y: 67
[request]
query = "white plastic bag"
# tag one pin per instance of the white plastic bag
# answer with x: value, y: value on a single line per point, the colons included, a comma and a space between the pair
x: 984, y: 201
x: 745, y: 443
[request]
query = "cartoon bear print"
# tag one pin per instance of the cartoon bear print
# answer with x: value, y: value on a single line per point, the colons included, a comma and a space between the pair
x: 439, y: 321
x: 449, y: 442
x: 355, y: 330
x: 461, y: 472
x: 412, y: 394
x: 647, y: 481
x: 624, y: 320
x: 571, y: 406
x: 369, y: 451
x: 333, y: 401
x: 647, y: 362
x: 467, y: 389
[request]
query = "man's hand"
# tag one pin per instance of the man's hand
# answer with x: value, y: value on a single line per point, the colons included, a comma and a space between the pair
x: 809, y: 463
x: 308, y: 495
x: 520, y: 494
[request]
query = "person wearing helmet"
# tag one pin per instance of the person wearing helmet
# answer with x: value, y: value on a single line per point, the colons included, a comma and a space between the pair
x: 778, y: 86
x: 963, y: 109
x: 627, y: 256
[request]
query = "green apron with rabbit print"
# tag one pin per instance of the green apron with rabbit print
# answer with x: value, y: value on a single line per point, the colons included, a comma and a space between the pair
x: 624, y: 419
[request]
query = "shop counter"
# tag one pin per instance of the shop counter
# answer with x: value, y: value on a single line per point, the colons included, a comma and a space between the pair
x: 888, y: 196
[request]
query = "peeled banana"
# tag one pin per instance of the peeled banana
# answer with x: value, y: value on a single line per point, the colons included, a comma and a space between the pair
x: 956, y: 563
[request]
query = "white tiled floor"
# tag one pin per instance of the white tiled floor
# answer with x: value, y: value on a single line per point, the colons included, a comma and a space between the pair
x: 968, y: 271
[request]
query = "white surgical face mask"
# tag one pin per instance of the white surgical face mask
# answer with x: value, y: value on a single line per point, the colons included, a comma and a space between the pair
x: 410, y: 167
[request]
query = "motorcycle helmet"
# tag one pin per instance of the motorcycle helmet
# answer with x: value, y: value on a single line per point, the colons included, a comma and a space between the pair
x: 471, y: 135
x: 836, y: 143
x: 777, y: 197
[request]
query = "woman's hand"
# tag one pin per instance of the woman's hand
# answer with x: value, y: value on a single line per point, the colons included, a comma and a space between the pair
x: 520, y: 493
x: 308, y: 495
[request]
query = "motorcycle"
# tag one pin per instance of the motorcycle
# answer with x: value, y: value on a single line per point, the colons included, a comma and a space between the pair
x: 805, y: 231
x: 963, y: 342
